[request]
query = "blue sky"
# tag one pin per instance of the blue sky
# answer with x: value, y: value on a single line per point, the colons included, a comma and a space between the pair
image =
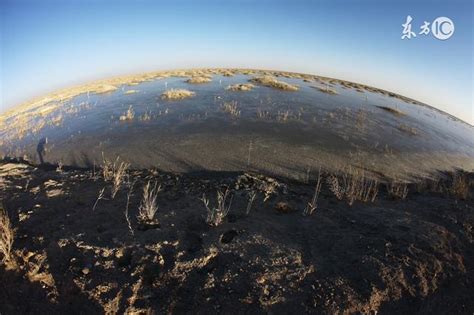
x: 46, y: 45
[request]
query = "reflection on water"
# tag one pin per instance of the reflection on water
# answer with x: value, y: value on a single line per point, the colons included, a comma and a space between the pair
x: 265, y: 129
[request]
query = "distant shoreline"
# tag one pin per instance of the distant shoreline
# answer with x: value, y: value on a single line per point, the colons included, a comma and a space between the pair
x: 111, y: 84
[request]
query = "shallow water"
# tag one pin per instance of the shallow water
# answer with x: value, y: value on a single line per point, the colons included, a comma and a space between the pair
x: 320, y: 130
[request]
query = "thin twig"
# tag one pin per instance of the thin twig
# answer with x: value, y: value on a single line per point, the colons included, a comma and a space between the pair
x: 101, y: 196
x: 252, y: 195
x: 126, y: 208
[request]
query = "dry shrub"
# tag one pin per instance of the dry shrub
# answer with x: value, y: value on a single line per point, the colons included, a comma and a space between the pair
x: 353, y: 185
x: 397, y: 190
x: 119, y: 177
x: 146, y: 116
x: 456, y: 184
x: 149, y: 206
x: 241, y: 87
x: 333, y: 183
x: 231, y: 108
x: 270, y: 81
x: 460, y: 186
x: 361, y: 120
x: 412, y: 131
x: 283, y: 115
x: 108, y: 168
x: 264, y: 114
x: 114, y: 172
x: 59, y: 167
x: 198, y: 80
x: 326, y: 89
x: 247, y: 71
x: 216, y: 215
x: 128, y: 115
x: 130, y: 92
x: 429, y: 185
x: 392, y: 110
x: 6, y: 236
x: 176, y: 94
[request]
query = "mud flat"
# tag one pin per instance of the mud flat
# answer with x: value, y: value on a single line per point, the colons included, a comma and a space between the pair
x: 77, y: 248
x: 277, y: 125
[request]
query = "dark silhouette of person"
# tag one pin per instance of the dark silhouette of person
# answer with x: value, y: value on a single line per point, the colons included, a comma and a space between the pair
x: 40, y: 148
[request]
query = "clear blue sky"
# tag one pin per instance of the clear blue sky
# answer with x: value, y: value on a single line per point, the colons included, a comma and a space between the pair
x: 46, y: 45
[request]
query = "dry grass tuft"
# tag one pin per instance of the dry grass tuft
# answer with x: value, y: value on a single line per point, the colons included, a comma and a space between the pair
x: 108, y: 167
x: 283, y: 115
x: 128, y: 115
x: 326, y: 89
x: 352, y: 186
x: 216, y: 215
x: 149, y: 206
x: 199, y: 80
x: 460, y: 186
x: 59, y: 167
x: 241, y: 87
x: 231, y: 108
x: 115, y: 172
x: 146, y: 116
x: 6, y: 236
x: 104, y: 88
x: 130, y: 92
x: 397, y: 190
x: 429, y: 185
x: 392, y: 110
x: 313, y: 204
x: 457, y: 184
x: 176, y: 94
x: 408, y: 130
x: 271, y: 81
x: 264, y: 114
x: 119, y: 177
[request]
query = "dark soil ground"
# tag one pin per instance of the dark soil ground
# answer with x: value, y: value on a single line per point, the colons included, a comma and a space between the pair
x: 390, y: 256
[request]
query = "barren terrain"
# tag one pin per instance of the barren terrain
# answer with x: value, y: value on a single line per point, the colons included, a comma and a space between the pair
x: 75, y: 252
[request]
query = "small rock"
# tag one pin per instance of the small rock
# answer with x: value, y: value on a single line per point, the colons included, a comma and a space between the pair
x: 193, y: 242
x: 148, y: 225
x: 283, y: 207
x: 228, y: 236
x: 124, y: 257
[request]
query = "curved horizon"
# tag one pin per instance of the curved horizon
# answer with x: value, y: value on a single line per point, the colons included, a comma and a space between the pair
x: 51, y: 45
x: 123, y: 76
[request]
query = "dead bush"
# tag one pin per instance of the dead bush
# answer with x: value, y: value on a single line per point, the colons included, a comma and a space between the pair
x: 353, y: 185
x: 149, y: 206
x: 313, y: 204
x: 6, y: 236
x: 397, y: 190
x: 216, y: 215
x: 460, y: 186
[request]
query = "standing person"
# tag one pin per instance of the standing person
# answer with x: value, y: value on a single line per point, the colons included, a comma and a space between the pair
x: 40, y: 149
